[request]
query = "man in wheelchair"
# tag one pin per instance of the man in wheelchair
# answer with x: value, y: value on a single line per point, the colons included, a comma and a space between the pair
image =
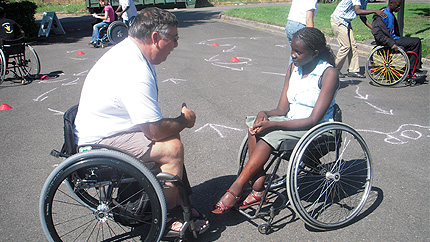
x: 9, y: 30
x: 386, y: 33
x: 120, y: 109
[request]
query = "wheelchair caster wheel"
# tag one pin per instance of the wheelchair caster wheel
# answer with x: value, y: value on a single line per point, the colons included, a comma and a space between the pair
x: 264, y: 228
x: 412, y: 82
x: 180, y: 240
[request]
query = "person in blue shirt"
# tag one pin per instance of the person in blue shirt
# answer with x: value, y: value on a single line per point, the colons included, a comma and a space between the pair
x: 386, y: 32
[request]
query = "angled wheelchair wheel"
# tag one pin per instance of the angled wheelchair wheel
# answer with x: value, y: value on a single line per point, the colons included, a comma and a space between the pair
x: 117, y: 32
x: 3, y: 66
x: 281, y: 173
x: 102, y: 195
x: 329, y: 176
x: 29, y: 62
x: 386, y: 67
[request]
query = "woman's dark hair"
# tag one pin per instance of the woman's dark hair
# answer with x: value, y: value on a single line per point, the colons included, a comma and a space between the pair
x: 315, y: 40
x: 152, y: 19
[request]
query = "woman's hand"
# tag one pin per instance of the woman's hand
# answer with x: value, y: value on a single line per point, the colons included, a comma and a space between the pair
x: 261, y: 116
x: 260, y: 127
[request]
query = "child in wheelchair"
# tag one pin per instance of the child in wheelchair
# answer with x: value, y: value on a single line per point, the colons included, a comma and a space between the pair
x: 307, y: 98
x: 10, y: 30
x: 107, y: 17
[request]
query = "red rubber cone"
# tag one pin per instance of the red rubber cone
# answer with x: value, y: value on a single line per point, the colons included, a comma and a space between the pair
x: 215, y: 44
x: 4, y: 106
x: 80, y: 53
x: 234, y: 59
x: 44, y: 77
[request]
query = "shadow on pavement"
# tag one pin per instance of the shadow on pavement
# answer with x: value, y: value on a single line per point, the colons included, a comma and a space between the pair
x: 78, y: 27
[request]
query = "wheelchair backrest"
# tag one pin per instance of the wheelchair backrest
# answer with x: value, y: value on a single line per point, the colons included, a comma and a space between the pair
x: 69, y: 146
x: 337, y: 113
x: 12, y: 47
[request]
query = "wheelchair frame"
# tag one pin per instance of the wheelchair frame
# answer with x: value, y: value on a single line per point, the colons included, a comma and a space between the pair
x: 327, y: 179
x: 113, y: 33
x: 19, y: 58
x: 386, y: 67
x: 102, y: 193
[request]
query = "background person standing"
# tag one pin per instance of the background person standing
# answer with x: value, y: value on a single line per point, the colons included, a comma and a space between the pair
x: 127, y: 10
x: 302, y: 13
x: 340, y: 20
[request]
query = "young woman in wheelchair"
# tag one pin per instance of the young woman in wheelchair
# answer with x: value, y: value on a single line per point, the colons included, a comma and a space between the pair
x: 107, y: 18
x: 307, y: 98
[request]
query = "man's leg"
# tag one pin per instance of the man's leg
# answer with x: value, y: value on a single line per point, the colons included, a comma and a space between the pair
x: 341, y: 33
x: 169, y: 154
x: 411, y: 44
x: 354, y: 65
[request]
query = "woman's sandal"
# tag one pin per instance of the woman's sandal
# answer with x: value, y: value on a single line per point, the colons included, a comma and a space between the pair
x: 221, y: 208
x: 257, y: 198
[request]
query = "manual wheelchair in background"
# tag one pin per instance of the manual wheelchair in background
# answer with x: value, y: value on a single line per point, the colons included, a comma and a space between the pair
x: 20, y: 59
x: 113, y: 33
x: 104, y: 194
x: 387, y: 67
x: 327, y: 176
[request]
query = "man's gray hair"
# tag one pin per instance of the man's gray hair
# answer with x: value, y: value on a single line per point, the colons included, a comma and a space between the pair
x: 152, y: 19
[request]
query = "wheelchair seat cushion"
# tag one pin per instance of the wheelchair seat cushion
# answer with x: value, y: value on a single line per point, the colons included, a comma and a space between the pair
x: 13, y: 47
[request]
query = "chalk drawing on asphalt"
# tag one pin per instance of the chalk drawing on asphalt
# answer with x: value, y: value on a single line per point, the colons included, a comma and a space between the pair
x: 404, y: 134
x: 217, y: 128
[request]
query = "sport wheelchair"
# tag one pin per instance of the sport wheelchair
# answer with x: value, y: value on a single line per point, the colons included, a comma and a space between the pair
x: 327, y: 176
x: 386, y: 67
x: 19, y: 58
x: 113, y: 33
x: 104, y: 194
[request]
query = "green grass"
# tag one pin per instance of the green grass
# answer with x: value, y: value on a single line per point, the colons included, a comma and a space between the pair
x: 417, y: 20
x: 58, y: 7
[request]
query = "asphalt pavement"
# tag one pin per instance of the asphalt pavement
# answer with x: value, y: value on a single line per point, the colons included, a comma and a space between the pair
x: 393, y: 121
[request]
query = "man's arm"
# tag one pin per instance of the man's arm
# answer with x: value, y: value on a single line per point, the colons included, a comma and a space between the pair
x: 381, y: 33
x: 310, y: 18
x: 169, y: 127
x: 362, y: 12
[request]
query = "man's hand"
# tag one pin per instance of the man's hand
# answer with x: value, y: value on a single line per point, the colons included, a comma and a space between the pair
x: 189, y: 116
x: 381, y: 13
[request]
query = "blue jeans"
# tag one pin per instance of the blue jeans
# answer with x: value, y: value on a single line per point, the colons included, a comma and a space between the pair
x: 291, y: 28
x: 129, y: 22
x: 96, y: 31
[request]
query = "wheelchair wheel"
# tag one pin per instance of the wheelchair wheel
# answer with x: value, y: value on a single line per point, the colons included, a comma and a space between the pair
x: 329, y: 175
x: 29, y: 63
x: 279, y: 179
x: 386, y: 67
x: 102, y: 195
x: 3, y: 66
x: 117, y: 32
